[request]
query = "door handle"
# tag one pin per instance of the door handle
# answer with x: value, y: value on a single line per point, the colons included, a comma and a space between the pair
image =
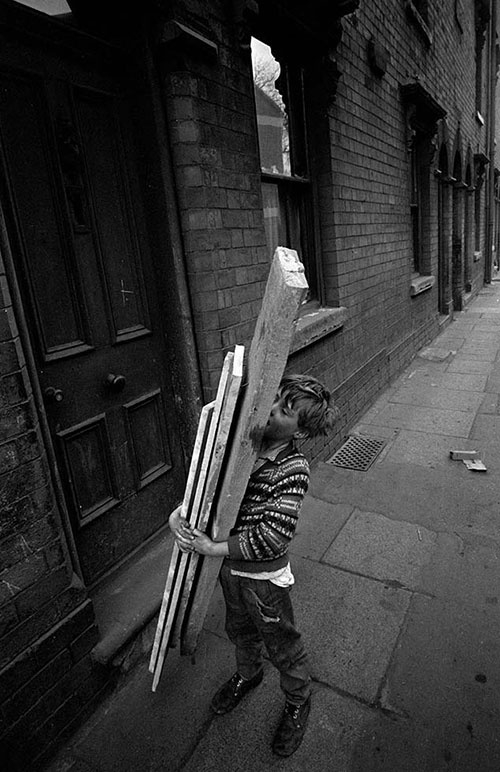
x: 54, y: 395
x: 115, y: 383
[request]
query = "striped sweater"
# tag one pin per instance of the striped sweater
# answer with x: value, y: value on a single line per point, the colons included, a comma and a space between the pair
x: 269, y: 512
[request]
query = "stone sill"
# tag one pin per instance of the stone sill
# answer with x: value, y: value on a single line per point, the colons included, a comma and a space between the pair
x: 131, y: 596
x: 314, y: 323
x: 421, y: 284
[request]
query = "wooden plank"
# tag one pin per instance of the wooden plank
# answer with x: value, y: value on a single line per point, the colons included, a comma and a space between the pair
x: 193, y: 515
x: 191, y: 506
x: 285, y: 291
x: 201, y: 437
x: 223, y: 430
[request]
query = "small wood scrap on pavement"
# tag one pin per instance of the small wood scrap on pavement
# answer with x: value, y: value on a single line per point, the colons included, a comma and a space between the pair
x: 474, y: 465
x: 470, y: 458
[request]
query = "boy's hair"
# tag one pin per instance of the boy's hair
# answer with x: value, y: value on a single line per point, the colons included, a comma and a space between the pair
x: 317, y: 413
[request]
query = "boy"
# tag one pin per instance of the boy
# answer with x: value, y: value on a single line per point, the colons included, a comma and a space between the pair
x: 256, y: 576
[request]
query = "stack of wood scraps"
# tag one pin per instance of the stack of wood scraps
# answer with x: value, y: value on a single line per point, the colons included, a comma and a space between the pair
x: 238, y: 424
x: 206, y: 463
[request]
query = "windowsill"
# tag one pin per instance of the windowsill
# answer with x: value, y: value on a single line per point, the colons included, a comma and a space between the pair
x: 130, y: 597
x: 315, y: 323
x: 421, y: 284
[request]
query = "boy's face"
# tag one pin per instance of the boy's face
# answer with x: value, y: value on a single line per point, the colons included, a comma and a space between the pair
x: 283, y: 422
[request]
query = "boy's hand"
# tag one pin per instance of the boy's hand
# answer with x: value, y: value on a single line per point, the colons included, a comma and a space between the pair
x: 181, y: 530
x: 204, y: 545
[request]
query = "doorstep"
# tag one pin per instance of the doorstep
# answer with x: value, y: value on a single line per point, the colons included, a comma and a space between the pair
x: 129, y: 597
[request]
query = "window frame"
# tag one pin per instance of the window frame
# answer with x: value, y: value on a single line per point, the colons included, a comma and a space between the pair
x: 295, y: 191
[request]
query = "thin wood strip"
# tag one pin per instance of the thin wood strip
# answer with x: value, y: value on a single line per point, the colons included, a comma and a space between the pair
x: 200, y: 440
x: 220, y: 448
x: 197, y: 479
x: 211, y: 439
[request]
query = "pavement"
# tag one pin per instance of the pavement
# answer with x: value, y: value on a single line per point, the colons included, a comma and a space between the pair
x: 397, y: 596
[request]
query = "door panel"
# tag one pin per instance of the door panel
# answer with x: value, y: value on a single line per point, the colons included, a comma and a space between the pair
x: 114, y: 216
x: 77, y: 227
x: 24, y: 115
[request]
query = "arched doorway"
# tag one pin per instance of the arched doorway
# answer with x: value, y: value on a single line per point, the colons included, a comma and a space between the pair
x: 443, y: 233
x: 457, y: 234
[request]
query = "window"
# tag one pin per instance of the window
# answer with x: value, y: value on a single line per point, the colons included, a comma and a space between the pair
x: 417, y: 200
x: 286, y: 185
x: 422, y: 114
x: 481, y: 18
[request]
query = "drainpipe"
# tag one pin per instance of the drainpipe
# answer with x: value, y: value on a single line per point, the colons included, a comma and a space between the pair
x: 490, y: 192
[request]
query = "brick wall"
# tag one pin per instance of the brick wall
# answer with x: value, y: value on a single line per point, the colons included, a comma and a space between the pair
x: 47, y: 626
x: 210, y: 111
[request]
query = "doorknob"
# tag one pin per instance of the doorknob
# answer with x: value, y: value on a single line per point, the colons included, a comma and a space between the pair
x: 53, y: 395
x: 115, y: 382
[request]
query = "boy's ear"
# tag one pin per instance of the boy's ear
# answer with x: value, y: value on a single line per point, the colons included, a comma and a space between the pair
x: 300, y: 435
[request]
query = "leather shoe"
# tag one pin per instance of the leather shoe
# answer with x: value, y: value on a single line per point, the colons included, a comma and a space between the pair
x: 291, y: 728
x: 233, y: 691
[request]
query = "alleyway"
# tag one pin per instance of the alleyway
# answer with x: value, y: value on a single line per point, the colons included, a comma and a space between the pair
x: 397, y: 595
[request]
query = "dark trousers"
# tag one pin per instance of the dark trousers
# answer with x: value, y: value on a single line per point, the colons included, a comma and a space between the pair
x: 259, y: 613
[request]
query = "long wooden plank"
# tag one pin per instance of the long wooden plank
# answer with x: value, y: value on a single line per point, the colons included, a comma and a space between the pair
x: 285, y: 291
x: 220, y: 448
x: 190, y: 510
x: 201, y: 437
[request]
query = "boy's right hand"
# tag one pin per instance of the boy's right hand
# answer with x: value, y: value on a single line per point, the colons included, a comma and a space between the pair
x: 181, y: 530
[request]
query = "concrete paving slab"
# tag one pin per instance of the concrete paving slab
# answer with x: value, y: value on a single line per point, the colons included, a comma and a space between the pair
x: 490, y: 404
x: 486, y: 428
x: 393, y: 744
x: 240, y: 741
x: 444, y: 499
x: 468, y: 364
x: 436, y: 397
x: 478, y: 343
x: 350, y: 625
x: 319, y: 523
x: 376, y: 546
x: 465, y: 568
x: 424, y: 419
x: 446, y: 380
x: 428, y: 450
x: 445, y: 674
x: 488, y: 325
x: 482, y: 332
x: 493, y: 384
x: 479, y: 353
x: 451, y: 339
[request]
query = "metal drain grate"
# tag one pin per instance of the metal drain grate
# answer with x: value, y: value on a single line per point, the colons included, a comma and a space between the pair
x: 357, y: 453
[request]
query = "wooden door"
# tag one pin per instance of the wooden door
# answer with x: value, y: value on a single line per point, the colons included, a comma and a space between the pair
x: 72, y: 191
